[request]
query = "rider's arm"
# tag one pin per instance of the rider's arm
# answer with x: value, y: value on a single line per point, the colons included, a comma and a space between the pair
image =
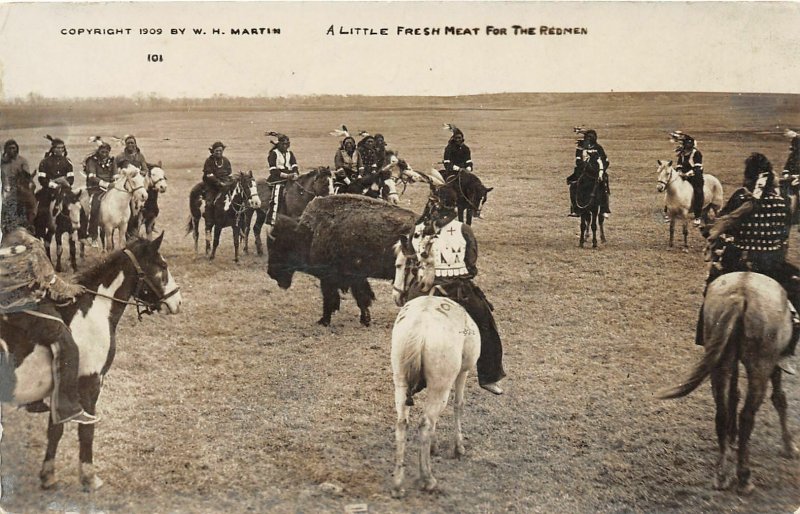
x: 725, y: 223
x: 70, y: 174
x: 467, y: 158
x: 696, y: 162
x: 292, y: 163
x: 447, y: 159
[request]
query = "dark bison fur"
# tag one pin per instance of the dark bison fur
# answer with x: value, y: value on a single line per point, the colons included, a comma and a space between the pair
x: 343, y: 240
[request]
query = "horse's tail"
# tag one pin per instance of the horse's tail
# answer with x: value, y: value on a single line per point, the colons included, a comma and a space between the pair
x: 412, y: 343
x: 730, y: 327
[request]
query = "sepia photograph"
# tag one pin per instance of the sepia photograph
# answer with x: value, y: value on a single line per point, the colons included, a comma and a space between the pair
x: 399, y: 257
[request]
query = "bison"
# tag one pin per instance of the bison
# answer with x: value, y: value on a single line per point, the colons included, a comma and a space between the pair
x: 342, y: 240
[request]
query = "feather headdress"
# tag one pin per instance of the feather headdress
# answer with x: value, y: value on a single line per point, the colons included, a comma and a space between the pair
x: 279, y: 137
x: 343, y: 132
x: 790, y: 133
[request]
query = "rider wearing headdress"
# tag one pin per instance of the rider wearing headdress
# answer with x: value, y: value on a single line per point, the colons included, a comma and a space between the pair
x: 751, y: 234
x: 455, y: 250
x: 587, y: 150
x: 217, y: 171
x: 30, y: 290
x: 457, y: 155
x: 369, y: 159
x: 790, y: 178
x: 14, y: 170
x: 55, y: 165
x: 380, y: 151
x: 101, y: 172
x: 690, y: 166
x: 282, y: 167
x: 347, y: 161
x: 132, y: 154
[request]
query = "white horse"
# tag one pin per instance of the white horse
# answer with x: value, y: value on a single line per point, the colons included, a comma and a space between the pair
x: 678, y: 198
x: 434, y: 344
x: 398, y: 171
x: 122, y: 200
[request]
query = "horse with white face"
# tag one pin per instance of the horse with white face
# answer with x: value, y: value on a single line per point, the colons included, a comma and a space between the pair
x: 138, y: 273
x: 678, y: 194
x: 434, y: 344
x: 155, y: 181
x: 123, y: 199
x: 397, y: 171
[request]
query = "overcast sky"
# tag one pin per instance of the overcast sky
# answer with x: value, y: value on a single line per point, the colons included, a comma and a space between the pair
x: 672, y: 46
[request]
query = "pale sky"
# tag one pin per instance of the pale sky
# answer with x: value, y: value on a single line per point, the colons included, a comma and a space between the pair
x: 671, y: 46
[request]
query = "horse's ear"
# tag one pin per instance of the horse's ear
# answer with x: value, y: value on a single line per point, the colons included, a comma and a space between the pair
x: 489, y: 189
x: 669, y: 163
x: 156, y: 245
x: 660, y: 162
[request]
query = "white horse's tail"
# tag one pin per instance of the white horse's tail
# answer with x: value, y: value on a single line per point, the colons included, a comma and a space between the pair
x: 410, y: 364
x: 729, y: 326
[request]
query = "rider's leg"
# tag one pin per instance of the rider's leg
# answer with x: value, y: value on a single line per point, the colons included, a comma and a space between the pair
x: 572, y: 191
x: 606, y: 205
x: 490, y: 362
x: 697, y: 198
x: 94, y: 217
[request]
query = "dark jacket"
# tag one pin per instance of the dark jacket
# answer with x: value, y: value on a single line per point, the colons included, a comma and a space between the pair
x: 99, y: 174
x: 53, y: 167
x: 454, y: 155
x: 215, y: 176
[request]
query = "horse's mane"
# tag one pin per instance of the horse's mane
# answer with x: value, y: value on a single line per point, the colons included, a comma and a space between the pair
x: 96, y: 272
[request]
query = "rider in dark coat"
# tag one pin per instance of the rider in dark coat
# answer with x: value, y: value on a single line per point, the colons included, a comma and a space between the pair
x: 751, y: 234
x: 457, y: 155
x: 587, y: 150
x: 282, y: 167
x: 29, y: 292
x: 690, y: 166
x: 456, y: 265
x: 132, y: 154
x: 101, y: 172
x: 54, y: 165
x: 347, y: 162
x: 217, y: 172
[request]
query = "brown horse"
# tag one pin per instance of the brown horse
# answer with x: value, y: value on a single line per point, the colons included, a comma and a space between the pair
x: 297, y: 194
x: 746, y: 320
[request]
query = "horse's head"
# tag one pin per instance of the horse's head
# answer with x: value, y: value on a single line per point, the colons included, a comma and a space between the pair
x: 318, y: 181
x: 133, y: 182
x: 482, y: 195
x: 249, y: 190
x: 157, y: 179
x: 156, y: 286
x: 72, y: 208
x: 414, y: 262
x: 665, y: 174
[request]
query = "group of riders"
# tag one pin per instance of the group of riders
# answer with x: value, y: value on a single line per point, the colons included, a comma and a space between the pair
x: 750, y: 234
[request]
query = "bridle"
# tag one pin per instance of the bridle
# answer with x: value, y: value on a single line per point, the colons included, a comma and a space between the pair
x: 129, y: 182
x: 154, y: 184
x: 304, y: 190
x: 142, y: 281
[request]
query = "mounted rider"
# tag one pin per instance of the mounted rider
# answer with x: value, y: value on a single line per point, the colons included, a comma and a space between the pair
x: 457, y: 155
x: 282, y: 166
x: 790, y: 178
x: 347, y: 161
x: 689, y: 166
x: 752, y: 234
x: 371, y: 175
x: 132, y: 154
x: 456, y: 254
x: 29, y: 292
x: 14, y: 171
x: 217, y: 171
x: 101, y: 172
x: 587, y: 150
x: 55, y: 165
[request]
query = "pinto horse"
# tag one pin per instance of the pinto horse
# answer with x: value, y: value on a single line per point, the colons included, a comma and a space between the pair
x: 678, y: 194
x: 68, y: 214
x: 229, y: 208
x: 297, y: 194
x: 588, y: 197
x: 746, y: 319
x: 155, y: 181
x: 471, y: 195
x: 138, y: 272
x: 124, y: 199
x: 435, y: 342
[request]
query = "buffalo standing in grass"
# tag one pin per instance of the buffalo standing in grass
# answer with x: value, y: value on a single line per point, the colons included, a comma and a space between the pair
x: 342, y: 240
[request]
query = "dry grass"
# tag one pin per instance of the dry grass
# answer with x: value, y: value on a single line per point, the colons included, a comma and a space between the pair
x: 243, y: 403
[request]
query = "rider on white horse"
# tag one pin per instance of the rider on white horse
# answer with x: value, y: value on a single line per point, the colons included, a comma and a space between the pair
x: 690, y: 166
x: 587, y: 150
x: 456, y: 254
x: 101, y: 172
x: 752, y: 234
x: 29, y: 292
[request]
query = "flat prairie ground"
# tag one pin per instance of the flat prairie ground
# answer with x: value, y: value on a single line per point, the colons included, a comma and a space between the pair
x: 243, y: 403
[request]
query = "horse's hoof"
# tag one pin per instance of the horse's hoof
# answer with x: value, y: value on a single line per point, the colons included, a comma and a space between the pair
x: 594, y: 245
x: 685, y: 250
x: 398, y: 492
x: 745, y: 489
x: 459, y: 452
x: 91, y: 483
x: 722, y: 483
x: 365, y: 320
x: 324, y: 322
x: 429, y: 484
x: 48, y: 475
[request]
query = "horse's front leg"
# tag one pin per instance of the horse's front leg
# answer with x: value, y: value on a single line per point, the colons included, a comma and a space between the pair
x: 260, y: 217
x: 209, y: 228
x: 594, y: 229
x: 685, y: 236
x: 72, y: 257
x: 48, y: 473
x: 89, y: 388
x: 458, y: 410
x: 217, y: 232
x: 244, y: 224
x: 601, y: 221
x: 48, y: 238
x: 236, y: 234
x: 584, y: 224
x: 671, y: 231
x: 59, y: 251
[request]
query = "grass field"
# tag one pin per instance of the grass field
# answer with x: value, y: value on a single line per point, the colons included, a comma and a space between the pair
x: 242, y: 403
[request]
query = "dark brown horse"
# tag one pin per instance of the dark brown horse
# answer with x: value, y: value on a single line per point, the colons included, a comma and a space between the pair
x: 297, y: 194
x: 471, y: 195
x: 746, y: 319
x: 588, y: 197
